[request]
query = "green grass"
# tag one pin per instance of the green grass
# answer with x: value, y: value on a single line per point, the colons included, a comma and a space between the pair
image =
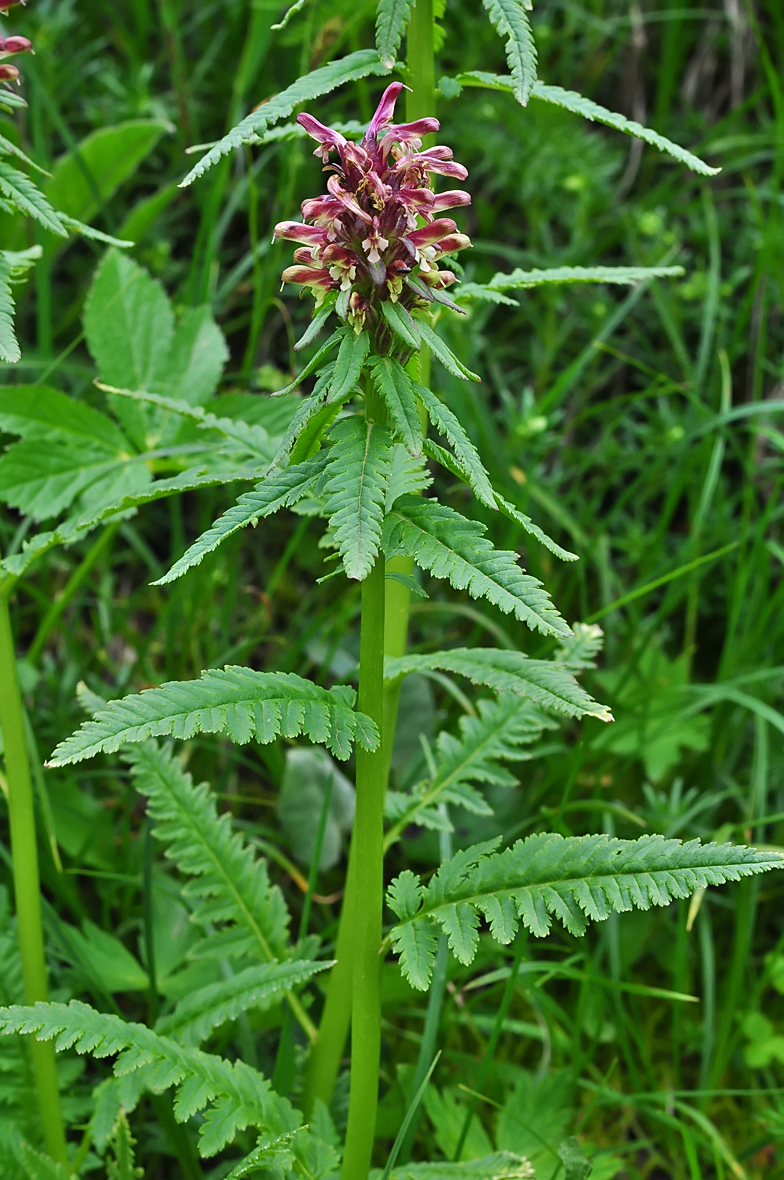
x: 642, y: 430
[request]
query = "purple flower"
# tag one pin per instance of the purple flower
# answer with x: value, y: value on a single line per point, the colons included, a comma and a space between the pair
x: 376, y: 228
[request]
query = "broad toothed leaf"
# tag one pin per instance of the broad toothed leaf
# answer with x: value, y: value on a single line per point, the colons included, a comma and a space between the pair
x: 450, y: 546
x: 545, y: 682
x: 42, y: 477
x: 394, y: 385
x: 355, y: 487
x: 575, y: 879
x: 279, y: 490
x: 36, y: 411
x: 239, y: 702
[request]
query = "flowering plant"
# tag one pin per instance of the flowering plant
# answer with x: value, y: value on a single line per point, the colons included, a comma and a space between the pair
x: 356, y: 454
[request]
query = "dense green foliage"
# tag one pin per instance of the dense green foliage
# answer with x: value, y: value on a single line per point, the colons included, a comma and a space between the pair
x: 634, y: 426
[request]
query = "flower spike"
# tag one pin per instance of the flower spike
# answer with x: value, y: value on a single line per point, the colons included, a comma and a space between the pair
x: 374, y: 237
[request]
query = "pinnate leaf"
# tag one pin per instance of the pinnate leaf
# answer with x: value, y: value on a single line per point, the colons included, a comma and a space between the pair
x: 450, y: 546
x: 348, y: 366
x: 545, y: 682
x: 234, y: 1095
x: 392, y: 16
x: 575, y: 879
x: 20, y: 191
x: 255, y: 989
x: 470, y: 466
x: 229, y: 880
x: 322, y: 81
x: 394, y: 385
x: 239, y: 702
x: 444, y: 354
x: 279, y: 490
x: 355, y: 486
x: 570, y: 100
x: 511, y: 21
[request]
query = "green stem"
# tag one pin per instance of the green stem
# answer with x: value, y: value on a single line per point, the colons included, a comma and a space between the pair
x: 421, y: 101
x: 27, y: 889
x: 327, y: 1052
x: 369, y: 884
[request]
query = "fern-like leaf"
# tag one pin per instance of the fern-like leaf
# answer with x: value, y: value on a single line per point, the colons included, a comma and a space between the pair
x: 348, y: 366
x: 355, y: 487
x: 511, y: 21
x: 470, y: 466
x: 545, y: 682
x: 524, y: 280
x: 254, y: 989
x: 313, y: 364
x: 395, y: 387
x: 450, y: 546
x: 532, y: 529
x: 406, y: 476
x: 237, y: 701
x: 444, y: 353
x: 230, y: 881
x: 281, y: 489
x: 20, y: 191
x: 9, y: 345
x: 570, y: 100
x: 357, y: 65
x: 580, y: 650
x: 249, y: 437
x: 502, y: 1165
x: 501, y: 733
x: 574, y: 879
x: 232, y: 1095
x: 392, y: 17
x: 402, y: 324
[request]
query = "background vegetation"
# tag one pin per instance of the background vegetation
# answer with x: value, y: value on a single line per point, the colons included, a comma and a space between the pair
x: 642, y: 430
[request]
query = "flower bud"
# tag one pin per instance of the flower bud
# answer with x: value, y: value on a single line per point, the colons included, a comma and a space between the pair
x: 6, y: 4
x: 8, y: 73
x: 15, y: 45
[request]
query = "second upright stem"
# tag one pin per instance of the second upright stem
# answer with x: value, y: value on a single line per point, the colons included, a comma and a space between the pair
x: 27, y: 890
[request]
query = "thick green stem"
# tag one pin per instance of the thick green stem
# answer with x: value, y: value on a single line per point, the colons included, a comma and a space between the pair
x: 421, y: 102
x: 26, y: 880
x: 369, y: 883
x: 328, y: 1050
